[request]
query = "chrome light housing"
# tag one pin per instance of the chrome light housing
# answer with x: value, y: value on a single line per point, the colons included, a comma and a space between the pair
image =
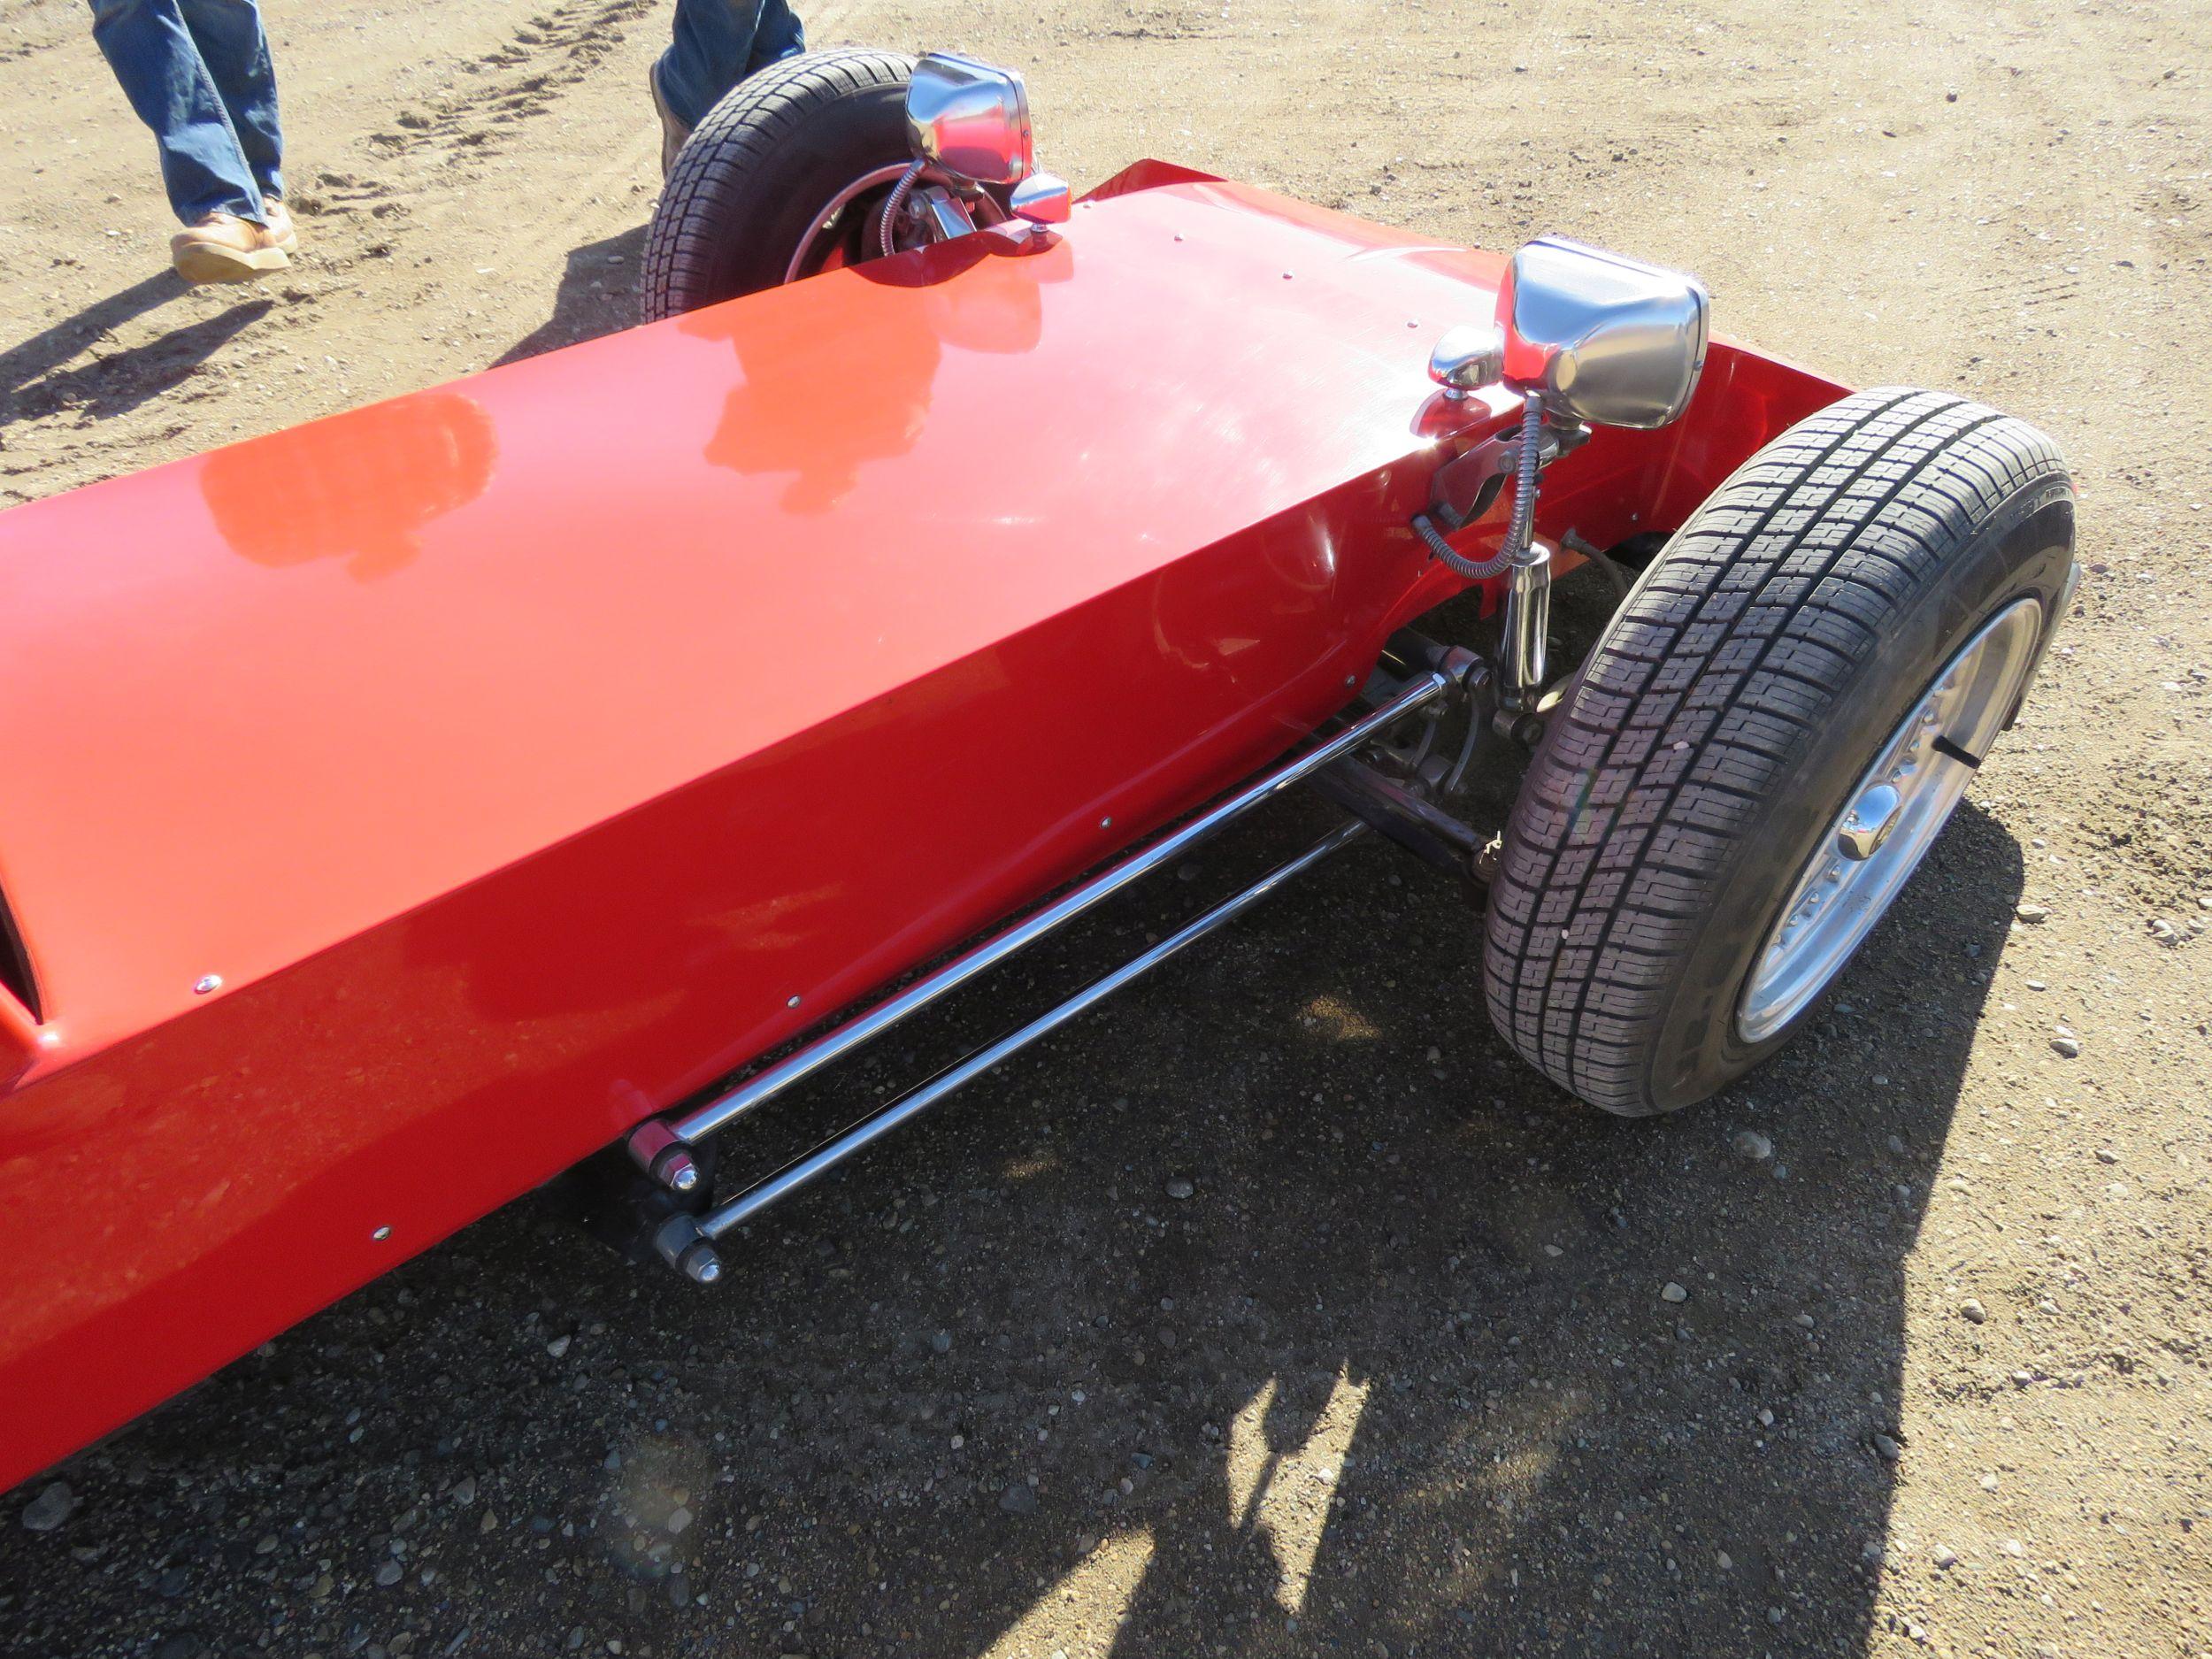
x: 1601, y: 338
x: 970, y: 119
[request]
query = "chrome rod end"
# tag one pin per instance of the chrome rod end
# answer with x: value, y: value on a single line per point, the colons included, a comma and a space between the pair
x: 665, y: 1155
x: 685, y: 1247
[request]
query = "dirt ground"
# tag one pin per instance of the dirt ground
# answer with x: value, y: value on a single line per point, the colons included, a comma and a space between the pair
x: 1397, y: 1378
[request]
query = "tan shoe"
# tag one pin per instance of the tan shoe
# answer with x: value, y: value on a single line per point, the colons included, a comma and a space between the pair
x: 279, y: 219
x: 224, y: 248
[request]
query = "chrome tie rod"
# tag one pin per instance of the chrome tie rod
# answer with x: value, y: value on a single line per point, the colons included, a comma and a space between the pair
x: 661, y: 1144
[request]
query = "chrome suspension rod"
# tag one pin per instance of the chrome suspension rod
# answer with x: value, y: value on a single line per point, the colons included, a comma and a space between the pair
x: 657, y: 1144
x: 686, y: 1242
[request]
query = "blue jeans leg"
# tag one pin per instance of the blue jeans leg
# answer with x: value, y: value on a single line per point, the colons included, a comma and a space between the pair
x: 198, y: 72
x: 717, y: 44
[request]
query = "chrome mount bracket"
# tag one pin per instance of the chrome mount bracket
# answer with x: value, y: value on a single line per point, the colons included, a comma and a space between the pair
x: 1467, y: 486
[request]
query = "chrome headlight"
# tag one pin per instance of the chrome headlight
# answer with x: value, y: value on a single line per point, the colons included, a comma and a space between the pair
x: 1602, y: 338
x: 970, y: 119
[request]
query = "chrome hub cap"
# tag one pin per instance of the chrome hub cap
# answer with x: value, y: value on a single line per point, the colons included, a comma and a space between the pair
x: 1867, y: 824
x: 1891, y: 820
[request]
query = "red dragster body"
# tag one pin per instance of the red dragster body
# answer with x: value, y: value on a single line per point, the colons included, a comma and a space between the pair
x: 599, y: 722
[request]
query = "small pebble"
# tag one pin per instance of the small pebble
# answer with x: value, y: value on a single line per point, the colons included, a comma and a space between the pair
x: 1017, y: 1499
x: 559, y: 1346
x: 50, y: 1508
x: 1890, y: 1450
x: 1672, y: 1292
x: 1180, y: 1187
x: 387, y: 1574
x: 1750, y: 1144
x: 941, y: 1342
x: 2033, y: 913
x: 1973, y: 1312
x: 2070, y: 1047
x: 1946, y: 1557
x: 679, y: 1518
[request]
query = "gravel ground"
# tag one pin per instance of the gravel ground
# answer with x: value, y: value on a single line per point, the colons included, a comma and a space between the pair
x: 1278, y: 1309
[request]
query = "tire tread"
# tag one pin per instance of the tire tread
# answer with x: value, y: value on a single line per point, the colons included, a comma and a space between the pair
x: 740, y: 137
x: 1708, y: 688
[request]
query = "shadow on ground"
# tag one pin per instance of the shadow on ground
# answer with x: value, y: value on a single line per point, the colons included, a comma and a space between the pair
x: 597, y: 295
x: 33, y: 381
x: 1398, y: 1377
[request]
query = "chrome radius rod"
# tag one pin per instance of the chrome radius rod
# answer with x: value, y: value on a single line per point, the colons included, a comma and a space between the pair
x: 659, y: 1145
x: 686, y: 1242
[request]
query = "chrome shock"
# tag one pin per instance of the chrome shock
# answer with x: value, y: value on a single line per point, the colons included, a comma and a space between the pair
x: 1527, y: 623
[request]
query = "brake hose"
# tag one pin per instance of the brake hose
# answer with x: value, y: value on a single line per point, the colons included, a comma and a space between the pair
x: 895, y: 204
x: 1518, y: 527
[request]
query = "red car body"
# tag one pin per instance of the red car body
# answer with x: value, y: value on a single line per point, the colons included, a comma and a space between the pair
x: 598, y: 722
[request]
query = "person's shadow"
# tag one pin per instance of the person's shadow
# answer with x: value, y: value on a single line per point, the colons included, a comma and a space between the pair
x: 1475, y: 1419
x: 597, y: 295
x: 33, y: 381
x: 1409, y: 1376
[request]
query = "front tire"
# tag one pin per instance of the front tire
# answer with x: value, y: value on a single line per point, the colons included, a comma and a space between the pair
x: 753, y: 182
x: 1692, y: 783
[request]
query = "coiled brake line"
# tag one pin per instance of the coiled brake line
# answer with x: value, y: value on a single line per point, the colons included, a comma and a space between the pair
x: 1518, y: 527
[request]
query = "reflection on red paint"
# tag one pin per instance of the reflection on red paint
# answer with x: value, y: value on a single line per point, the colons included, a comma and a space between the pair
x: 295, y: 496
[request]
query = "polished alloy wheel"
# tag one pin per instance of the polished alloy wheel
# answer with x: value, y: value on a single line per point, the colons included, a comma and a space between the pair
x: 1893, y: 815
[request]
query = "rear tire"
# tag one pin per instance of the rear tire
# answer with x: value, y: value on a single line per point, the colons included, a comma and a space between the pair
x: 1730, y: 711
x: 752, y: 181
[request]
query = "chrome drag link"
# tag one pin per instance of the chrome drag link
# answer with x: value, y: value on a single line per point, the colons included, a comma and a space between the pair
x: 655, y: 1145
x: 659, y: 1145
x: 685, y: 1242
